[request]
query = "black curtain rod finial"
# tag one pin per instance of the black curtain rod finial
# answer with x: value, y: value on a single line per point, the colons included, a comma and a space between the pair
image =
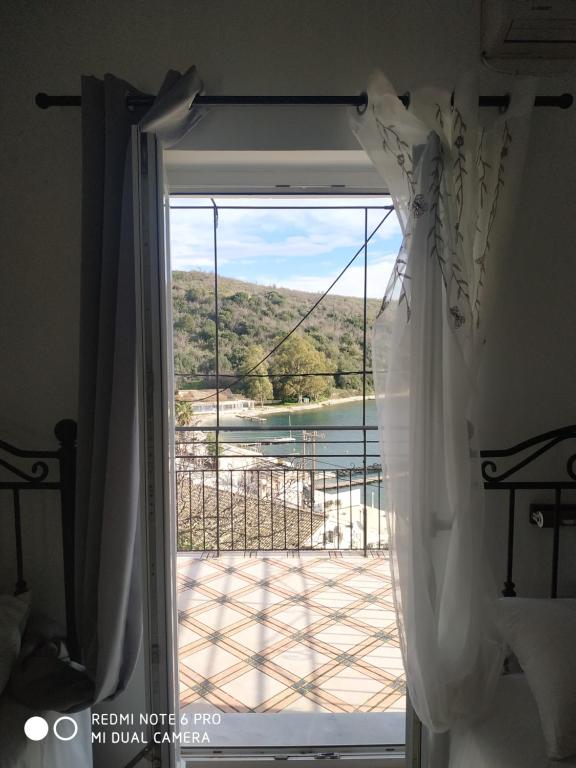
x: 44, y: 101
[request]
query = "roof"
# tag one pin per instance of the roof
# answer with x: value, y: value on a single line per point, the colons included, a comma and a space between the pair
x: 245, y: 521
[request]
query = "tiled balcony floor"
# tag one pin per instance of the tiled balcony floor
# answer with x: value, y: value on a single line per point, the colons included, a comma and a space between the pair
x: 282, y: 633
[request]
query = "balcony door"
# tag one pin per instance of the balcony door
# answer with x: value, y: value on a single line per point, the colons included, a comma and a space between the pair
x: 269, y: 570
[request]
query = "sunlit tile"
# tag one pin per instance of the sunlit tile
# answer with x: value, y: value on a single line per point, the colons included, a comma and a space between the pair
x: 341, y: 636
x: 256, y: 637
x: 259, y: 599
x: 297, y: 577
x: 186, y: 635
x: 303, y: 704
x: 387, y: 658
x: 352, y: 686
x: 259, y: 568
x: 225, y: 583
x: 219, y: 617
x: 300, y: 659
x: 297, y: 616
x: 398, y: 706
x: 374, y: 616
x: 209, y: 661
x: 253, y: 688
x: 364, y: 583
x: 191, y: 598
x: 333, y: 597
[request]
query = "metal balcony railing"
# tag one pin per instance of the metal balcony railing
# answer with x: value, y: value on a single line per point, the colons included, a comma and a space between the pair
x: 239, y: 488
x: 243, y: 500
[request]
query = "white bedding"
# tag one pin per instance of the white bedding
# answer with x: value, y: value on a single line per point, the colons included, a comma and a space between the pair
x: 510, y: 736
x: 35, y: 660
x: 17, y: 751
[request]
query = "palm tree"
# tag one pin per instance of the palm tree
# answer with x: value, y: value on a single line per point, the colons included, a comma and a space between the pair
x: 183, y: 413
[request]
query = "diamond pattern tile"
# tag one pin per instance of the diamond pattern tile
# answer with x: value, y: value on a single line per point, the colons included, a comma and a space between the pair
x: 258, y: 599
x: 342, y: 637
x: 334, y: 598
x: 209, y: 660
x: 256, y: 637
x: 191, y: 598
x: 386, y: 657
x: 297, y: 616
x: 301, y: 659
x: 253, y: 688
x: 218, y: 617
x: 227, y: 583
x: 379, y: 617
x: 186, y: 636
x: 352, y: 687
x: 310, y: 634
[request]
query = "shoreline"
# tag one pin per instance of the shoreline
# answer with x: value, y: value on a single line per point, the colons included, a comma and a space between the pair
x: 262, y: 411
x: 271, y: 409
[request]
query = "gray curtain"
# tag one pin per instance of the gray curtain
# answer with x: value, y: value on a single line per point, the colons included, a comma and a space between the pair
x: 108, y: 572
x: 108, y: 599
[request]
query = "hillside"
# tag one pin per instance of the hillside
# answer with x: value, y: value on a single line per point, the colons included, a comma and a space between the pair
x: 252, y: 319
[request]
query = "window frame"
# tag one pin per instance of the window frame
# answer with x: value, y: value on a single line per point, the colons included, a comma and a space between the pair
x: 154, y: 190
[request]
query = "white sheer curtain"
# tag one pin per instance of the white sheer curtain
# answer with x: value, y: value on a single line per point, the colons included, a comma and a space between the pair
x: 452, y: 170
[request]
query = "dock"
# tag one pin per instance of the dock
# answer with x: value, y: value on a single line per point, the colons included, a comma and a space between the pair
x: 273, y: 441
x: 250, y: 418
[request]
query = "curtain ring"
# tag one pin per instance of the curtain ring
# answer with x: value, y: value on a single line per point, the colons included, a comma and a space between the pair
x: 128, y: 100
x: 363, y: 106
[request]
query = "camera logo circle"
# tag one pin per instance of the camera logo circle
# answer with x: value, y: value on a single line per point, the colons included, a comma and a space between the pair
x: 36, y: 728
x: 64, y: 737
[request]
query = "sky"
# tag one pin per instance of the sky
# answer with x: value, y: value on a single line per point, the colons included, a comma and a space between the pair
x: 290, y: 248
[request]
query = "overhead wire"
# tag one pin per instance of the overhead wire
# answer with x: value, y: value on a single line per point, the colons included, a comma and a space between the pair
x: 306, y: 315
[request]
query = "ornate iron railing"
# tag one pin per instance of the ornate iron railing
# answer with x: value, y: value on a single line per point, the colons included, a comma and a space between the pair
x: 243, y: 500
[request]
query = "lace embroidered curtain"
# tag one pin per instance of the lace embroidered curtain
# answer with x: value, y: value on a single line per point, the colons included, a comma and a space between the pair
x: 452, y: 171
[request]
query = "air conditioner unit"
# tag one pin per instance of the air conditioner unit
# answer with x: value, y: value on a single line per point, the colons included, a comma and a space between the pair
x: 528, y: 29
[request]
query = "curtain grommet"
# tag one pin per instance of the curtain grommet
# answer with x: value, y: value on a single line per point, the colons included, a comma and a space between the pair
x: 363, y: 106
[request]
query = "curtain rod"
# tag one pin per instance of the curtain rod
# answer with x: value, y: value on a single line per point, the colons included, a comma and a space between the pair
x: 135, y: 101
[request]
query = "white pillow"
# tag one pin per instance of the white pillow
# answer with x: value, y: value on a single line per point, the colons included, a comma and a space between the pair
x: 542, y: 635
x: 13, y: 615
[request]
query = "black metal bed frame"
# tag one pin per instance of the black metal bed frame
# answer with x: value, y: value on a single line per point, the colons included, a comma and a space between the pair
x: 50, y: 470
x: 505, y: 478
x: 56, y: 470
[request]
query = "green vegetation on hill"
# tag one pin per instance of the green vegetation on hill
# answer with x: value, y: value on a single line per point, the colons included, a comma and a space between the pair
x: 252, y: 320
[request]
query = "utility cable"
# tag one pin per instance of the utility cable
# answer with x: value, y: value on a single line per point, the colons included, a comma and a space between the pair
x: 305, y: 317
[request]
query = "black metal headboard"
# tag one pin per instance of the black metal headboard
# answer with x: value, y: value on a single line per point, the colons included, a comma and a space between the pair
x: 46, y: 470
x: 500, y: 472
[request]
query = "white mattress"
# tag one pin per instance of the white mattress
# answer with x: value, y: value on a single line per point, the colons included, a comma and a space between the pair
x: 508, y: 737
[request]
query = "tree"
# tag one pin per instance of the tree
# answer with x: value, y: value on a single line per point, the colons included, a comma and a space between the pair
x: 183, y: 413
x: 255, y: 388
x: 275, y: 298
x: 298, y: 355
x: 349, y: 381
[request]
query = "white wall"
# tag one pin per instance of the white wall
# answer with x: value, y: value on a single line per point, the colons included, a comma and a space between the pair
x: 259, y: 46
x: 529, y: 376
x: 255, y: 46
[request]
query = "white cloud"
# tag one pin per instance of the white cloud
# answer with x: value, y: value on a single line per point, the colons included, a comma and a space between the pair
x: 350, y: 284
x: 252, y: 234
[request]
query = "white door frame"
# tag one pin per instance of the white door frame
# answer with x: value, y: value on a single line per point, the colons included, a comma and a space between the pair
x: 157, y: 434
x: 152, y: 203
